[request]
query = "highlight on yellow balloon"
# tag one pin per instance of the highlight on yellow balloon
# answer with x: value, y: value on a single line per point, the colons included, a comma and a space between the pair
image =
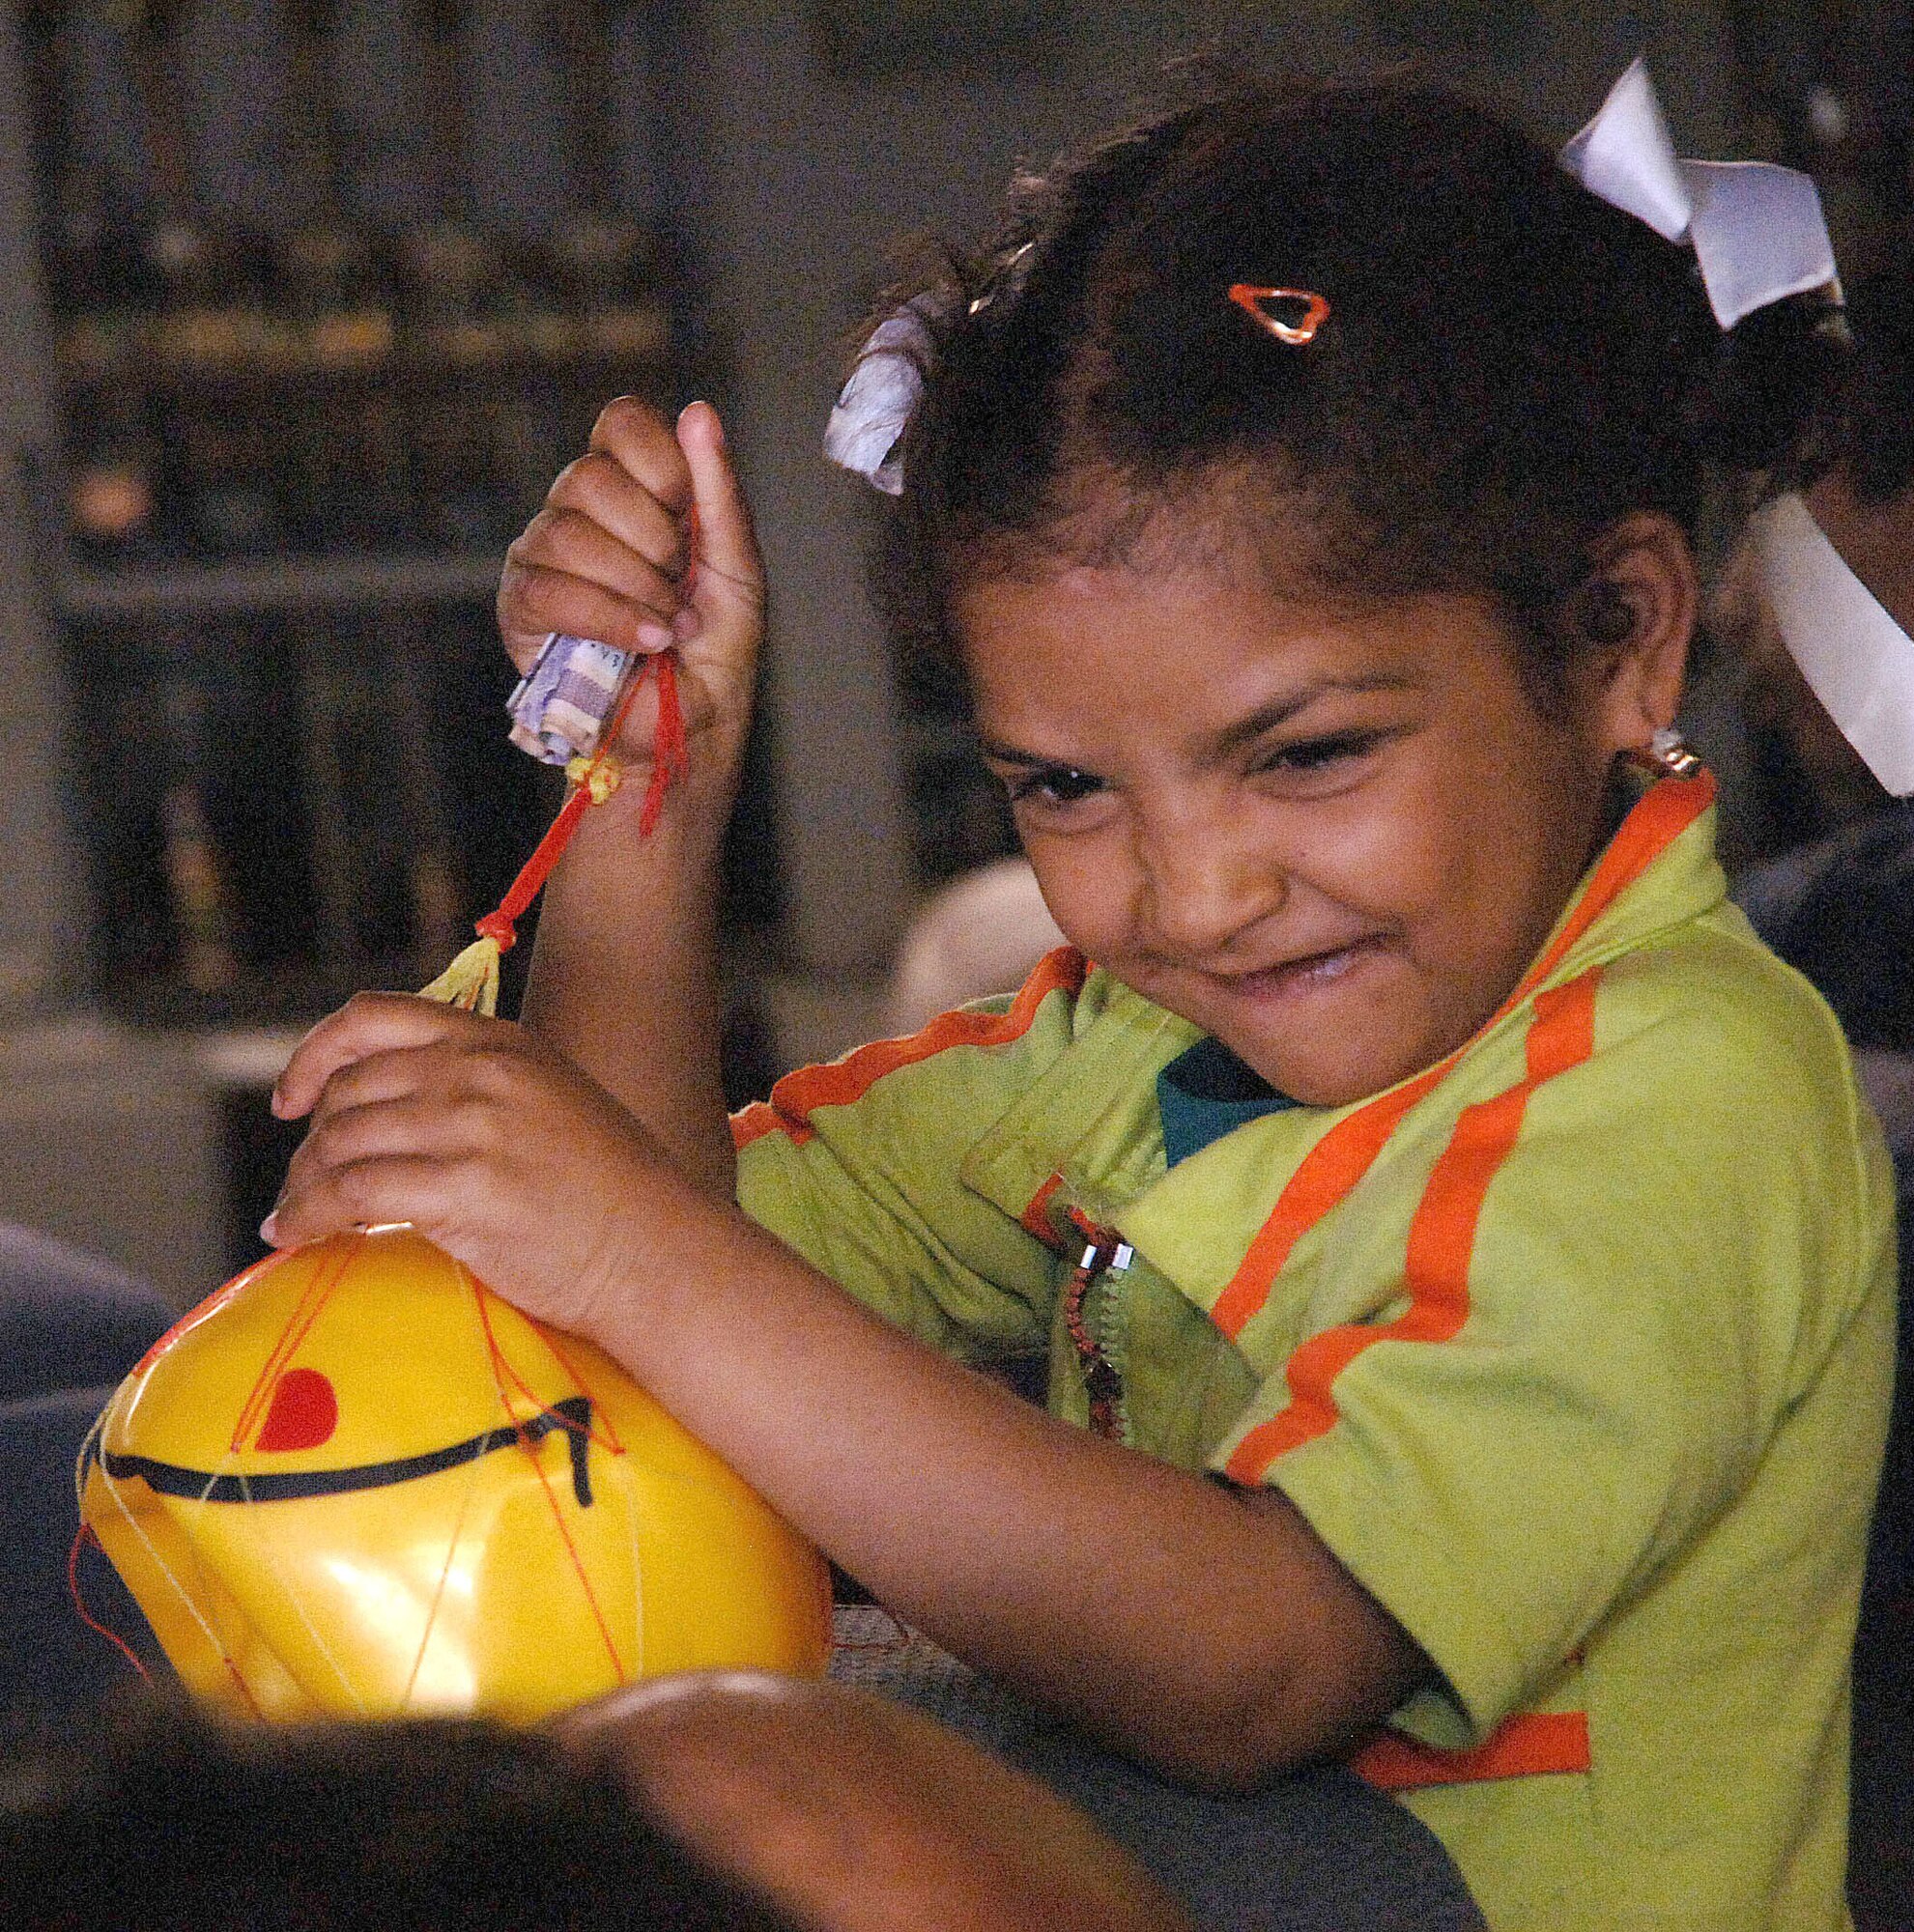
x: 355, y: 1483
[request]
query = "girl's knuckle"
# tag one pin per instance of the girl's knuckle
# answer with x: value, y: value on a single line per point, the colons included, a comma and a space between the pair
x: 537, y: 599
x: 627, y: 419
x: 493, y: 1075
x: 353, y: 1189
x: 318, y: 1151
x: 574, y: 482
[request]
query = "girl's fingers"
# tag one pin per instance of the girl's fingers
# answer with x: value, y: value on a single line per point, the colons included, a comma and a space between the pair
x: 410, y: 1188
x: 728, y: 557
x: 598, y: 490
x: 641, y: 441
x: 604, y: 558
x: 536, y: 599
x: 409, y: 1129
x: 367, y: 1024
x: 404, y: 1074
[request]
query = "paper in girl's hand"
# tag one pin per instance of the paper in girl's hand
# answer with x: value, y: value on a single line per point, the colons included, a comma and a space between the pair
x: 560, y: 704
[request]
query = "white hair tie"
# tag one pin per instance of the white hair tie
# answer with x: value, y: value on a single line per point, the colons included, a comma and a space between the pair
x: 875, y: 407
x: 1759, y: 237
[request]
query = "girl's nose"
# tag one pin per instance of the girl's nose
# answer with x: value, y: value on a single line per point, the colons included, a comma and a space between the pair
x: 1205, y: 884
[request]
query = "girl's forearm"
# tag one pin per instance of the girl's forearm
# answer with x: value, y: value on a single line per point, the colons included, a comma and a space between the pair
x: 1207, y: 1631
x: 625, y: 978
x: 1203, y: 1629
x: 644, y: 542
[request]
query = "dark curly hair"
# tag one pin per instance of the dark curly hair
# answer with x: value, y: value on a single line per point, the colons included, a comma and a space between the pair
x: 1509, y: 366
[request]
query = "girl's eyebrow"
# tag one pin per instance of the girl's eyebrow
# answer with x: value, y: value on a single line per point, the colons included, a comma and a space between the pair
x: 1265, y: 718
x: 1009, y: 754
x: 1280, y: 710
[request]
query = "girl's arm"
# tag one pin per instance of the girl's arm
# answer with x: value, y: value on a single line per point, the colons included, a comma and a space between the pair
x: 1205, y: 1630
x: 625, y: 978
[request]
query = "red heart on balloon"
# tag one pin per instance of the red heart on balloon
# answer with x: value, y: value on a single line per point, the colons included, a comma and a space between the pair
x: 303, y: 1414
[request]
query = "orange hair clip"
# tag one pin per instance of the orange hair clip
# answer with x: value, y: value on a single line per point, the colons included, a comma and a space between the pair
x: 1315, y: 311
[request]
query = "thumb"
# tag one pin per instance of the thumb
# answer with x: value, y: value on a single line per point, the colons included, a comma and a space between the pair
x: 727, y: 564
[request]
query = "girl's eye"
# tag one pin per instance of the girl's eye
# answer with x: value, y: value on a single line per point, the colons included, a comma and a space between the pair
x: 1316, y: 755
x: 1054, y: 785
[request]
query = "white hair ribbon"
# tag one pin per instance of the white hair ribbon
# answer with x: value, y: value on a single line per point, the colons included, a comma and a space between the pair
x: 1759, y: 237
x: 1756, y: 230
x: 873, y: 409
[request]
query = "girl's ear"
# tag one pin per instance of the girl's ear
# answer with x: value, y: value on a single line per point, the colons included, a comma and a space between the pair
x: 1636, y: 614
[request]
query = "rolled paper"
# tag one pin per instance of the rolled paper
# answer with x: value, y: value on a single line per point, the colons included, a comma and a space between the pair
x: 560, y: 704
x: 1858, y: 662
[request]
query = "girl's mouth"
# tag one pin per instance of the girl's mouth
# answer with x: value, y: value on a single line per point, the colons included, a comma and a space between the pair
x: 1311, y: 972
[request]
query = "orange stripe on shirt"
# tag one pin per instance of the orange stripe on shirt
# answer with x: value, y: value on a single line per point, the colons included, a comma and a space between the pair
x: 841, y: 1081
x: 1530, y: 1744
x: 1331, y: 1169
x: 1441, y: 1235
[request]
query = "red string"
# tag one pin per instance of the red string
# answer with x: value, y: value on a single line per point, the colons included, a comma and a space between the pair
x: 244, y: 1689
x: 499, y: 1362
x: 668, y: 748
x: 306, y: 1310
x: 564, y: 1361
x: 503, y: 1370
x: 668, y: 758
x: 81, y: 1539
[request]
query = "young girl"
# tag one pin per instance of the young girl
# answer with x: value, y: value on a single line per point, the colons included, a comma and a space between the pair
x: 1463, y: 1258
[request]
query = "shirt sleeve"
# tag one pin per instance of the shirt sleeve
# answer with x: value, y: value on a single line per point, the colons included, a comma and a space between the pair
x: 856, y: 1166
x: 1601, y: 1322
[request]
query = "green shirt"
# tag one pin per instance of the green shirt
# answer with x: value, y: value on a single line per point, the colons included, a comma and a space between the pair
x: 1576, y: 1350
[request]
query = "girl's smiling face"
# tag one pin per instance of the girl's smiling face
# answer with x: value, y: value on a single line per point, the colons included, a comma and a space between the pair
x: 1331, y: 836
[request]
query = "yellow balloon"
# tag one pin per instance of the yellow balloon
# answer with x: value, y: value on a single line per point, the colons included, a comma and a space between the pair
x: 355, y: 1483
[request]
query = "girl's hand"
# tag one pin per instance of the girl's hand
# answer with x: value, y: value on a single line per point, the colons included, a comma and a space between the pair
x: 488, y: 1141
x: 608, y: 558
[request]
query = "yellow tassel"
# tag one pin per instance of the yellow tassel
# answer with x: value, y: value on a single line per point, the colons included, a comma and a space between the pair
x: 600, y: 776
x: 470, y: 982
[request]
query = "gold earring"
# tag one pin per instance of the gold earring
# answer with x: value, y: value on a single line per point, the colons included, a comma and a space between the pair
x: 1667, y: 754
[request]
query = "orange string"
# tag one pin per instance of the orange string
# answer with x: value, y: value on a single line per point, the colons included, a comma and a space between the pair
x: 503, y: 1370
x: 244, y: 1689
x: 564, y: 1361
x: 307, y: 1310
x: 81, y: 1539
x: 668, y: 758
x: 499, y: 1362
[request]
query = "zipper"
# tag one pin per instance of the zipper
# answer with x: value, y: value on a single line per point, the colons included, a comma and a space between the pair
x: 1104, y: 1253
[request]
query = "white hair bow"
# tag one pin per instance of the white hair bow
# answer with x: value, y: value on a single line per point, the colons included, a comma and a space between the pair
x: 873, y: 409
x: 1759, y: 237
x: 1756, y: 230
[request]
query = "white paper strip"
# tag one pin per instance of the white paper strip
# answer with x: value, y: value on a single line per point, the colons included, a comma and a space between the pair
x: 1856, y: 658
x: 1758, y: 230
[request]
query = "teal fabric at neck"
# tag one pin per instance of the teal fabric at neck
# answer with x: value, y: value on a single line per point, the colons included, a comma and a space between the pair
x: 1205, y: 1093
